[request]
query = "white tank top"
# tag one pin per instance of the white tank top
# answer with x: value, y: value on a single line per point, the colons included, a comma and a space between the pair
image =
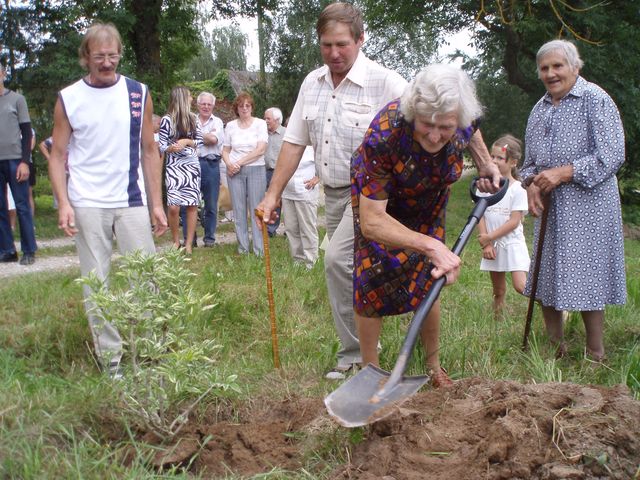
x: 104, y: 149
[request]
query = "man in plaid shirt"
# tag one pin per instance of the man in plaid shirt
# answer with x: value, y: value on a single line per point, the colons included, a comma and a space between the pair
x: 335, y: 105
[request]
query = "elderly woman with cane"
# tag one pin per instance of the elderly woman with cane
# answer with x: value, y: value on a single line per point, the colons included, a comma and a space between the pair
x: 574, y: 147
x: 400, y: 180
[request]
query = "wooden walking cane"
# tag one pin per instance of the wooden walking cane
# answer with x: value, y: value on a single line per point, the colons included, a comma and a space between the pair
x: 546, y: 204
x: 272, y: 307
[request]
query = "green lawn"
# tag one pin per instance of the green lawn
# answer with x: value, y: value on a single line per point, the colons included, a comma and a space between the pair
x: 60, y: 418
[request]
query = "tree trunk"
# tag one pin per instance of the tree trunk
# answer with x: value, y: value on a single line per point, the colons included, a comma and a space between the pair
x: 513, y: 49
x: 145, y: 36
x: 11, y: 29
x: 261, y: 41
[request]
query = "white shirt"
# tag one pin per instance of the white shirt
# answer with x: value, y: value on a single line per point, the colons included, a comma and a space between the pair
x: 245, y: 140
x: 296, y: 189
x: 515, y: 199
x: 334, y: 120
x: 212, y: 125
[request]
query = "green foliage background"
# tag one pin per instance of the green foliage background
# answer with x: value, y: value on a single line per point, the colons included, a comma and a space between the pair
x: 39, y: 42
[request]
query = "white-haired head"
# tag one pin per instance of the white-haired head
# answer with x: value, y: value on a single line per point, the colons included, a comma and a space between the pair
x: 211, y: 97
x: 276, y: 113
x: 440, y: 89
x: 565, y: 48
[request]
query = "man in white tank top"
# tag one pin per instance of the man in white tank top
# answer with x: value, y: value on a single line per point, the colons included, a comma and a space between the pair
x: 104, y: 121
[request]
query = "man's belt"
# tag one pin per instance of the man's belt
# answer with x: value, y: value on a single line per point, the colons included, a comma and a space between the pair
x: 214, y: 158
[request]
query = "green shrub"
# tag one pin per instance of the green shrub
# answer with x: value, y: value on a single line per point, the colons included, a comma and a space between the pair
x: 153, y: 306
x: 220, y: 86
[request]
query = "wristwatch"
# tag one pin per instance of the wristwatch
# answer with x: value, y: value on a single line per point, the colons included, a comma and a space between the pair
x: 528, y: 181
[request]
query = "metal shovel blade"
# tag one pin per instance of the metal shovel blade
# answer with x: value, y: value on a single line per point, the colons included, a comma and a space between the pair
x: 359, y: 401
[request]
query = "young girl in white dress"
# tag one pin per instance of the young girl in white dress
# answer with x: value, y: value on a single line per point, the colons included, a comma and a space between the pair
x: 501, y: 235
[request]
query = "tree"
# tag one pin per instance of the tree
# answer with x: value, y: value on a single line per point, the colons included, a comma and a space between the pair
x: 223, y: 49
x: 262, y: 9
x: 228, y: 46
x: 404, y: 47
x: 508, y: 34
x: 293, y: 51
x: 41, y: 39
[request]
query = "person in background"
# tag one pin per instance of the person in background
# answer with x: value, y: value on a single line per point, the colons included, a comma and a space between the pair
x: 500, y: 231
x: 180, y: 137
x: 273, y: 117
x: 103, y: 122
x: 11, y: 207
x: 210, y: 155
x: 300, y: 211
x: 224, y: 199
x: 245, y: 141
x: 574, y: 148
x: 335, y: 105
x: 15, y: 153
x: 45, y: 147
x: 400, y: 183
x: 155, y: 120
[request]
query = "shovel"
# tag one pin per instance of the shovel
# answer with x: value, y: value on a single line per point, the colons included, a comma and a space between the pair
x: 373, y: 393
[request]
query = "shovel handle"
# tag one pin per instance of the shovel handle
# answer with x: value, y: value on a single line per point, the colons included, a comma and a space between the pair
x: 272, y: 307
x: 481, y: 204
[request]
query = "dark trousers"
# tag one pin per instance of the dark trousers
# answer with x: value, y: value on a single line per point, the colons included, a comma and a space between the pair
x: 20, y: 192
x: 210, y: 190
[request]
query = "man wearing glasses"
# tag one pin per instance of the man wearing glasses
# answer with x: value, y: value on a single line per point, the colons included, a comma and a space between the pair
x: 104, y: 120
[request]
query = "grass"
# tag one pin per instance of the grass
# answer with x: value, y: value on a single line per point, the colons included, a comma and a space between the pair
x: 59, y: 417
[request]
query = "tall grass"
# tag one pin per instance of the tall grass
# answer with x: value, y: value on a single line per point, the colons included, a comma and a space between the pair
x: 60, y: 418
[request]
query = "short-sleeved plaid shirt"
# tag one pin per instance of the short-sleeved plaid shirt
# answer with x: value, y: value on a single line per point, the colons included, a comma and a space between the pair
x: 334, y: 120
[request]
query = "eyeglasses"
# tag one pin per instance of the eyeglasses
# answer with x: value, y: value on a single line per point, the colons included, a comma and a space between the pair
x: 102, y: 57
x: 206, y: 104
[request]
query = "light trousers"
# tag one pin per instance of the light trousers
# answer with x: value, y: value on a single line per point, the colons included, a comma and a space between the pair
x: 94, y: 242
x: 301, y: 227
x: 247, y: 189
x: 338, y: 267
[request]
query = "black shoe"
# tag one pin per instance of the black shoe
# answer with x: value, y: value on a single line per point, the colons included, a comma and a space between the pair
x: 9, y: 257
x: 28, y: 259
x: 209, y: 244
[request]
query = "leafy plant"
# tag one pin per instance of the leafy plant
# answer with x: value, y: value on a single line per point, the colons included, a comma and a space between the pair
x: 152, y: 306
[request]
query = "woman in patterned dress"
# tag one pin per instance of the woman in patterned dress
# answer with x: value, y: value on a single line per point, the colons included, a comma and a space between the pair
x: 574, y: 147
x: 179, y: 140
x: 400, y: 178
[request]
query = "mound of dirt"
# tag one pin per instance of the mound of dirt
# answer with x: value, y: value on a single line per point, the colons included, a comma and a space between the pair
x: 477, y: 429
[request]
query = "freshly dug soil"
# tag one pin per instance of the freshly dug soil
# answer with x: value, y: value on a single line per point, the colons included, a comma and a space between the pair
x: 479, y: 429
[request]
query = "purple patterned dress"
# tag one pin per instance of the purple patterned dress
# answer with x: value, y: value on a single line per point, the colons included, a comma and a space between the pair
x: 390, y: 165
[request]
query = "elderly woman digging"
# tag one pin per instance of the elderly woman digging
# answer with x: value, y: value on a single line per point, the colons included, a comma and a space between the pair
x: 400, y: 178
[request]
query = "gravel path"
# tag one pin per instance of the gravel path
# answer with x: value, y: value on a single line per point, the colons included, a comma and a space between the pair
x: 61, y: 262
